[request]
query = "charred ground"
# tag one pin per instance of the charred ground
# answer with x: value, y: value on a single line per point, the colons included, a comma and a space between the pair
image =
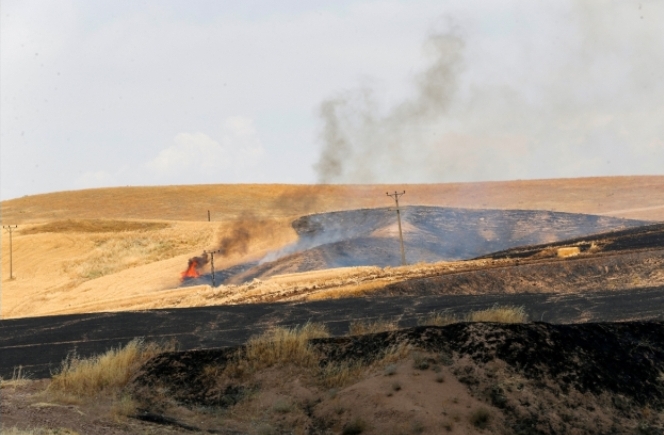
x: 538, y: 378
x: 370, y: 237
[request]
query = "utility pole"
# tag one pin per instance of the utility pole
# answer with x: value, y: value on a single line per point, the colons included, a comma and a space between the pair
x: 212, y: 266
x: 396, y: 196
x: 11, y: 229
x: 208, y: 215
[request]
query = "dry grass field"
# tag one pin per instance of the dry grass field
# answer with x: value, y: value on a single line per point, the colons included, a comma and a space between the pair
x: 124, y: 248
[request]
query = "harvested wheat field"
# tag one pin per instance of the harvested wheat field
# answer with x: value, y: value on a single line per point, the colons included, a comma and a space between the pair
x: 125, y: 248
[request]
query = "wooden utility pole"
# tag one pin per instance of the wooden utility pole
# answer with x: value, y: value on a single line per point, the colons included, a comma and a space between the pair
x: 396, y: 196
x: 212, y: 266
x: 11, y: 229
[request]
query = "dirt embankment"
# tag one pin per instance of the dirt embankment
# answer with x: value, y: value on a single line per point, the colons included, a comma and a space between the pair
x: 528, y: 379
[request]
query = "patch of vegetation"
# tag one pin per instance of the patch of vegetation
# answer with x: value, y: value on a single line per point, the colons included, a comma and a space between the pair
x: 111, y: 253
x: 19, y: 378
x: 480, y: 418
x: 499, y: 314
x: 95, y: 226
x: 372, y: 327
x: 438, y: 318
x: 110, y: 371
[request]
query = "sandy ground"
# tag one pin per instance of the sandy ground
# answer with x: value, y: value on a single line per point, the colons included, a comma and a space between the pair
x: 60, y: 272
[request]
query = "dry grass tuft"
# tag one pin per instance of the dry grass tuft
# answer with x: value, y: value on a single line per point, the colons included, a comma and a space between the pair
x: 335, y: 375
x: 19, y: 378
x: 109, y: 371
x: 372, y: 327
x: 278, y: 346
x: 499, y: 314
x: 439, y: 318
x: 284, y: 345
x: 94, y: 226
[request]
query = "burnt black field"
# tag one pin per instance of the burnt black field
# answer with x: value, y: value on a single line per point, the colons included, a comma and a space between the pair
x: 40, y: 344
x: 368, y: 237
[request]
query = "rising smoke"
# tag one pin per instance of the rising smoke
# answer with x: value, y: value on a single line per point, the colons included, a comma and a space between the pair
x: 575, y: 90
x: 240, y: 233
x: 357, y: 137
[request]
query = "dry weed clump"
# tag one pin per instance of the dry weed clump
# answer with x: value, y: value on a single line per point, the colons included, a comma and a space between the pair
x: 284, y: 345
x: 499, y: 314
x: 372, y: 327
x: 95, y: 226
x: 339, y: 374
x: 438, y: 318
x: 19, y: 378
x: 109, y: 371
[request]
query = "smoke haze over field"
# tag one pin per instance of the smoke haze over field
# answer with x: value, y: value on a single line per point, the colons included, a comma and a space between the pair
x: 581, y: 99
x: 116, y: 93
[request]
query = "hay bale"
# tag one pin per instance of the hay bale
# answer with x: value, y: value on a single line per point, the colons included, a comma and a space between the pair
x: 568, y: 252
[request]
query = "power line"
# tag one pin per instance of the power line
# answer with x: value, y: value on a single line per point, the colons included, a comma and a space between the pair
x: 10, y: 229
x: 396, y: 196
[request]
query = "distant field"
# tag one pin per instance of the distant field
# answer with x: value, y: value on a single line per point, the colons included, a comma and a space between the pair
x: 629, y: 197
x: 124, y: 248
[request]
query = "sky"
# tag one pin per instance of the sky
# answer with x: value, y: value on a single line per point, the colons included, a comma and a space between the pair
x: 117, y: 93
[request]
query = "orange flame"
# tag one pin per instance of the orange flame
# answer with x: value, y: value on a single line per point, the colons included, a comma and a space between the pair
x: 191, y: 271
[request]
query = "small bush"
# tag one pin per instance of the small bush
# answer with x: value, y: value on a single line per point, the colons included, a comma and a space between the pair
x: 480, y: 418
x: 420, y: 361
x: 390, y: 369
x: 396, y: 386
x: 499, y: 314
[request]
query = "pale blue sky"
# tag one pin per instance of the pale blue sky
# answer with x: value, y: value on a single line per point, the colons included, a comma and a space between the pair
x: 115, y: 93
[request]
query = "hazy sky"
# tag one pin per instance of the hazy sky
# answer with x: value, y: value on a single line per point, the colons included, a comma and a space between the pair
x: 114, y: 93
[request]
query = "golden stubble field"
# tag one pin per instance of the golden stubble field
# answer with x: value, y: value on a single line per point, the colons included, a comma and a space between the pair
x: 124, y: 248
